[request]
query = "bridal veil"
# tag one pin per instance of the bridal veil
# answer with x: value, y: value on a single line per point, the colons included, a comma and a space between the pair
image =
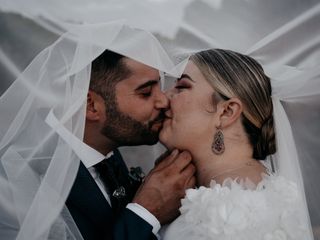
x: 38, y: 167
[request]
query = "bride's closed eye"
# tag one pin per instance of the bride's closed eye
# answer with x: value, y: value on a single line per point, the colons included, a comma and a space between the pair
x: 182, y: 84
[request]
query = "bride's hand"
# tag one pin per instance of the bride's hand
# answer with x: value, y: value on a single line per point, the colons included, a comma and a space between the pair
x: 165, y: 185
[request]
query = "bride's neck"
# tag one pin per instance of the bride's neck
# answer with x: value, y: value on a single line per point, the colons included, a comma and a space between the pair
x: 209, y: 165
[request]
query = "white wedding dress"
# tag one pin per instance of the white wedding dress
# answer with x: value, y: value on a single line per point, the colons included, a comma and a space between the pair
x: 270, y: 211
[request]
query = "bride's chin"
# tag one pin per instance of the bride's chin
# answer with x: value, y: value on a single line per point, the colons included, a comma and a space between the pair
x: 163, y: 139
x: 167, y: 146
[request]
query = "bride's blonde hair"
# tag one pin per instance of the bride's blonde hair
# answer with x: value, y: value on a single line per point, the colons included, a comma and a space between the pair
x: 232, y: 74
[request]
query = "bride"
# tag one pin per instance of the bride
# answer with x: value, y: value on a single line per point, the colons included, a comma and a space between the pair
x: 221, y: 111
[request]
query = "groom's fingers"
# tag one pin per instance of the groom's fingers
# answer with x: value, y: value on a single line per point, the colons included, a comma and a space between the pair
x: 177, y: 163
x: 162, y: 157
x: 167, y: 160
x: 182, y: 161
x: 165, y: 185
x: 191, y: 182
x: 188, y: 171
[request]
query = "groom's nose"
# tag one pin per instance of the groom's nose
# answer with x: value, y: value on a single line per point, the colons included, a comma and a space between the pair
x: 162, y: 102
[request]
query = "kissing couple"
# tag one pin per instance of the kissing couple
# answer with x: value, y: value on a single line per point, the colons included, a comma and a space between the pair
x: 82, y: 98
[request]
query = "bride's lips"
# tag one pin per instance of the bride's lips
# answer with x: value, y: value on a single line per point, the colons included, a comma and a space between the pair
x: 167, y: 115
x: 167, y: 119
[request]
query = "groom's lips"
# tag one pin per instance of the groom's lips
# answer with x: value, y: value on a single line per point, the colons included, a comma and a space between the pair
x: 157, y: 125
x: 158, y: 122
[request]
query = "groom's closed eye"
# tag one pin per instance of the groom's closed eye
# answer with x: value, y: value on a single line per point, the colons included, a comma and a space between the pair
x: 145, y: 92
x: 145, y: 89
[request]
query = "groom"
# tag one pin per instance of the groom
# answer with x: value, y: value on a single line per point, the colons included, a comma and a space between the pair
x: 125, y: 108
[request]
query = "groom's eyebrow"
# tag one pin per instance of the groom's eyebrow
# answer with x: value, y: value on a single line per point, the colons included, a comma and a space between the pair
x: 185, y: 76
x: 147, y: 84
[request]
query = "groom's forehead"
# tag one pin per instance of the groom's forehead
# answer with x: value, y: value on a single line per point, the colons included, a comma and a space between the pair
x: 137, y: 67
x: 140, y: 73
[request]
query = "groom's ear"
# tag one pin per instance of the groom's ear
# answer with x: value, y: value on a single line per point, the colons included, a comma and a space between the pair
x: 230, y: 111
x: 95, y: 106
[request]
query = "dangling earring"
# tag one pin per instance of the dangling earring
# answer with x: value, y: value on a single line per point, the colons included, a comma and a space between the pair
x: 218, y: 142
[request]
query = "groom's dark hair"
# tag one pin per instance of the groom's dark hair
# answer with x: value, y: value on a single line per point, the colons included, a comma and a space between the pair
x: 106, y: 71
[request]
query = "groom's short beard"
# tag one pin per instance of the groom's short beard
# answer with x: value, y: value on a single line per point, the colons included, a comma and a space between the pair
x: 124, y: 130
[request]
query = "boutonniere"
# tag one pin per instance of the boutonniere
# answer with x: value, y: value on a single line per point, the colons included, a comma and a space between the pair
x: 136, y: 174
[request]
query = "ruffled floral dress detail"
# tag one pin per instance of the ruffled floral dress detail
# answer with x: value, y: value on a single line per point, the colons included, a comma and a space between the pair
x: 272, y: 211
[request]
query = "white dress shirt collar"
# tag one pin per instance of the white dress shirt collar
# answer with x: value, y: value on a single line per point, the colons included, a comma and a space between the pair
x: 89, y: 156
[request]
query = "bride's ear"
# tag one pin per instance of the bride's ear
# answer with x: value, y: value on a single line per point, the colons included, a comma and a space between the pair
x: 95, y: 106
x: 230, y: 111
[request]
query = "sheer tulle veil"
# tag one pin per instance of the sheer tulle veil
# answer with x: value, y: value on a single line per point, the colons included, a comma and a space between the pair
x: 38, y: 166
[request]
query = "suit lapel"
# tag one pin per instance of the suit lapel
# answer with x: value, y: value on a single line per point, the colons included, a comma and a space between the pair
x: 86, y: 196
x: 88, y: 206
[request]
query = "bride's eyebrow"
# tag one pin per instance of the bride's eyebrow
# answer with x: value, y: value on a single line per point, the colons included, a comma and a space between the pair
x: 185, y: 76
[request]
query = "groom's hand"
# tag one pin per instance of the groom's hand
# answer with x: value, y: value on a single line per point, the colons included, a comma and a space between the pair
x: 165, y: 185
x: 162, y: 157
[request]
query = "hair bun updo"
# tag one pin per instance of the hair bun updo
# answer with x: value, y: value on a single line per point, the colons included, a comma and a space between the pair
x: 265, y: 144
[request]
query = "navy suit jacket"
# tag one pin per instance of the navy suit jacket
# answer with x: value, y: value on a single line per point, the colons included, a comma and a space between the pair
x: 93, y: 214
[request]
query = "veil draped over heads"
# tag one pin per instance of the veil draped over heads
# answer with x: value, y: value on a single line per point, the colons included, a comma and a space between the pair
x: 44, y: 122
x: 37, y: 167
